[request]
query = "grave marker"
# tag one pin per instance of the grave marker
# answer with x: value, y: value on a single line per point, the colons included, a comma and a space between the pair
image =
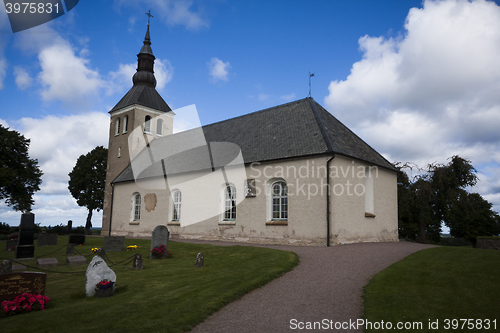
x: 25, y: 247
x: 138, y: 262
x: 17, y: 283
x: 47, y: 262
x: 76, y: 260
x: 46, y: 240
x: 200, y: 260
x: 113, y: 243
x: 159, y: 237
x: 77, y: 239
x: 11, y: 243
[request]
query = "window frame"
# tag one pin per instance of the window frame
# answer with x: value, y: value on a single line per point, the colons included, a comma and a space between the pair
x: 282, y: 201
x: 229, y: 203
x: 117, y: 126
x: 136, y: 207
x: 147, y: 124
x: 125, y: 124
x: 176, y: 206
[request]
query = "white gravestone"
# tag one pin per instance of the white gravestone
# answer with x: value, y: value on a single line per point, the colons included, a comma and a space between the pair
x: 98, y: 270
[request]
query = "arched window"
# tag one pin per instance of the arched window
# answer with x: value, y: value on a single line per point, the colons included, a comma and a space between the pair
x: 230, y: 203
x: 125, y: 124
x: 176, y: 205
x: 137, y: 206
x: 147, y: 124
x: 279, y: 195
x: 159, y: 127
x: 117, y: 128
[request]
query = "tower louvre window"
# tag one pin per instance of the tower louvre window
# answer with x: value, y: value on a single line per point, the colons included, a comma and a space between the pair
x: 117, y: 126
x: 147, y: 124
x: 159, y: 127
x: 125, y: 124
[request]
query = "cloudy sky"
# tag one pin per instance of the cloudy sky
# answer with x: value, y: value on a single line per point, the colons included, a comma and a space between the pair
x: 419, y: 81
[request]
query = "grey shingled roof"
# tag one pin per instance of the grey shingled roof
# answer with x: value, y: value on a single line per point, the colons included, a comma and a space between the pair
x: 296, y: 129
x: 143, y: 95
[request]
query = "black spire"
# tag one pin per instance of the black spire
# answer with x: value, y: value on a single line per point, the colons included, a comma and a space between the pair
x: 145, y: 62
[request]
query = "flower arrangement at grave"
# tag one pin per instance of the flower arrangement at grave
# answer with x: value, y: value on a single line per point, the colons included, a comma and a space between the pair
x: 169, y: 254
x: 158, y: 251
x: 94, y: 250
x: 104, y: 284
x: 131, y: 247
x: 24, y: 303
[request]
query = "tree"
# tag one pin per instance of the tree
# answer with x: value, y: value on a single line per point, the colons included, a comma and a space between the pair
x: 438, y: 195
x: 20, y: 176
x: 87, y: 181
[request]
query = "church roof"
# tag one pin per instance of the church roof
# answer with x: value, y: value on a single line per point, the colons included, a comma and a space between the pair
x: 301, y: 128
x: 143, y: 95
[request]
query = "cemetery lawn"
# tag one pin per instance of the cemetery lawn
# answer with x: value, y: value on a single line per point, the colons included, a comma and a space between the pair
x: 169, y: 295
x: 437, y: 284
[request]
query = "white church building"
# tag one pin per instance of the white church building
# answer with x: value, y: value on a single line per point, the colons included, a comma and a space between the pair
x: 289, y: 174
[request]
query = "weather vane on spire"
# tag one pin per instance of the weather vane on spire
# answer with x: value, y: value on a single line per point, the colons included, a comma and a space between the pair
x: 148, y: 13
x: 310, y: 76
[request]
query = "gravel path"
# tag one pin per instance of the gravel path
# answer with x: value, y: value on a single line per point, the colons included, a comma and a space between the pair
x: 327, y: 284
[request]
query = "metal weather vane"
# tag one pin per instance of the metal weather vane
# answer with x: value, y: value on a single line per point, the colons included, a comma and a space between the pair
x: 310, y: 76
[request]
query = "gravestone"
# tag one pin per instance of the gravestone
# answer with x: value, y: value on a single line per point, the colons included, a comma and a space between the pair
x: 138, y: 263
x: 77, y: 239
x: 69, y: 228
x: 160, y: 237
x: 200, y: 260
x: 113, y: 243
x: 11, y: 243
x: 70, y: 249
x: 17, y: 283
x: 19, y: 267
x: 47, y: 262
x: 25, y: 247
x: 6, y: 266
x: 76, y: 260
x: 97, y: 271
x: 46, y: 240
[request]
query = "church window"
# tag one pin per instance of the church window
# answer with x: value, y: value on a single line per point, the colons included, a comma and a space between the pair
x: 125, y: 124
x: 279, y: 196
x: 230, y: 203
x: 159, y: 127
x: 176, y: 205
x: 137, y: 207
x: 119, y: 151
x: 369, y: 204
x: 117, y: 128
x: 147, y: 124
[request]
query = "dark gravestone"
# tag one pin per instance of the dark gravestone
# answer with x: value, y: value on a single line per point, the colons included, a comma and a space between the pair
x: 70, y: 250
x: 70, y: 227
x: 138, y: 263
x: 47, y: 240
x: 159, y: 237
x: 76, y: 260
x: 11, y: 245
x: 25, y: 247
x: 47, y: 262
x: 17, y: 283
x: 113, y: 243
x: 77, y: 239
x: 200, y: 260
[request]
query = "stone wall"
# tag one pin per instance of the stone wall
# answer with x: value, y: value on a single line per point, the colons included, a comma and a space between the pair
x: 488, y: 243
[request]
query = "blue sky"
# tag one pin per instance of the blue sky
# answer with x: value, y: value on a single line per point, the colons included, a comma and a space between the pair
x: 419, y: 81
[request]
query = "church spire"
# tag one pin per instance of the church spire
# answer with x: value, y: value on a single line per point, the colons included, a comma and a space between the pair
x: 145, y: 63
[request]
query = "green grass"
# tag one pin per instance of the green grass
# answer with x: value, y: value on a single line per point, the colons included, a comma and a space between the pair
x: 169, y: 295
x: 437, y: 284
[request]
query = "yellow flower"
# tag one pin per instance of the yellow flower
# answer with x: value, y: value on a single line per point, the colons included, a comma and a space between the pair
x: 132, y: 247
x: 94, y: 250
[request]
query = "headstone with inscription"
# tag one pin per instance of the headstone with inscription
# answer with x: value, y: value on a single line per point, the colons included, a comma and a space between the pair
x: 159, y: 237
x: 113, y: 243
x: 25, y: 247
x: 77, y: 239
x: 17, y: 283
x: 47, y: 262
x: 46, y: 239
x: 76, y: 260
x: 138, y: 262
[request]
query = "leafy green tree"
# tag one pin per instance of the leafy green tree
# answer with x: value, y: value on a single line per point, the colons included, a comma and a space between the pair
x: 20, y: 176
x: 87, y: 181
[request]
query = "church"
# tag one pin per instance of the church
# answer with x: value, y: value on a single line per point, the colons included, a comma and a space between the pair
x: 289, y: 174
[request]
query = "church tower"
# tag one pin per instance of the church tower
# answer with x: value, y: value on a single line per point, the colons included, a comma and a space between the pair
x: 138, y: 108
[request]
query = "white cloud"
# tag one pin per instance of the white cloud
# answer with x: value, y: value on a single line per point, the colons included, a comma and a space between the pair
x: 23, y: 79
x: 69, y: 80
x: 431, y: 93
x: 218, y: 69
x: 121, y: 80
x: 289, y: 97
x: 163, y: 73
x: 172, y: 12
